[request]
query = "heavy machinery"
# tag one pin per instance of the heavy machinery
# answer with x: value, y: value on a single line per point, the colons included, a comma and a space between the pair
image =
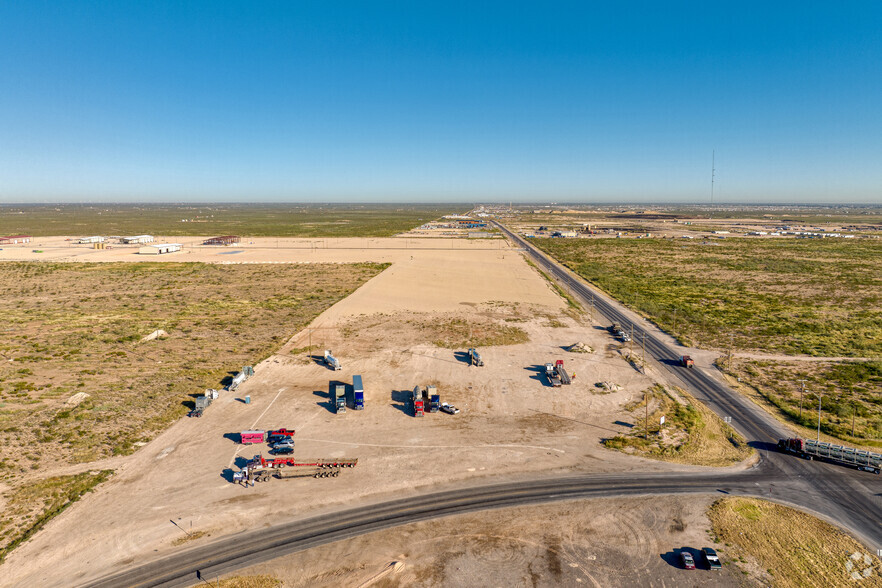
x: 475, y: 358
x: 687, y: 361
x: 332, y: 361
x: 247, y: 372
x: 340, y: 398
x: 564, y: 376
x: 811, y: 449
x: 416, y: 400
x: 259, y: 469
x: 552, y: 375
x: 358, y: 393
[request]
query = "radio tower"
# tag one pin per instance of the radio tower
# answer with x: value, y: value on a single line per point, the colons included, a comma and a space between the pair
x: 713, y: 173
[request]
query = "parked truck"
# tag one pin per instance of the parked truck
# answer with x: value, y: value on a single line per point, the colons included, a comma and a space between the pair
x: 417, y: 402
x: 475, y: 358
x: 260, y: 469
x: 358, y: 393
x: 564, y: 376
x: 614, y: 328
x: 811, y: 449
x: 687, y: 361
x: 552, y: 375
x: 340, y: 398
x: 203, y: 402
x: 247, y: 372
x: 331, y: 361
x: 431, y: 398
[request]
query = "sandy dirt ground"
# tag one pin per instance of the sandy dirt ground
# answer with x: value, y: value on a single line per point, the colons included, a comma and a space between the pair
x: 512, y: 426
x: 604, y: 542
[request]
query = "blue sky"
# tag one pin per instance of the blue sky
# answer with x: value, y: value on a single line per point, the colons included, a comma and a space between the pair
x: 440, y: 101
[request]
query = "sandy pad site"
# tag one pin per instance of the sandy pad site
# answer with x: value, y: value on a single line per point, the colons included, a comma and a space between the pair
x: 512, y: 424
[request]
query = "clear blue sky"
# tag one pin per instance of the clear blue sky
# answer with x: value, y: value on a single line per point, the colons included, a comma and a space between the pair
x: 440, y: 101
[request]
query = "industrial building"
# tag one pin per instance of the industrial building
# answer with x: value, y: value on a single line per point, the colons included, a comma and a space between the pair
x: 137, y: 239
x: 95, y: 239
x: 225, y: 240
x: 159, y: 249
x: 15, y: 239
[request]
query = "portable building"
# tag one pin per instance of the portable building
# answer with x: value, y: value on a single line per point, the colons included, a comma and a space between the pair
x: 95, y: 239
x: 159, y: 249
x: 249, y: 437
x: 137, y: 239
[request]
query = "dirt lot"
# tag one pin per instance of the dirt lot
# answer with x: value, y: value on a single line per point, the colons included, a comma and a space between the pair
x: 512, y: 423
x: 607, y: 542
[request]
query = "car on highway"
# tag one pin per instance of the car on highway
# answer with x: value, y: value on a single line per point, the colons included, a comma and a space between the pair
x: 284, y: 450
x: 686, y: 559
x: 449, y: 408
x: 710, y: 556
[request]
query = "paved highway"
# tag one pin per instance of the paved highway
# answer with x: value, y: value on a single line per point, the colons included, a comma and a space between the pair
x: 845, y: 496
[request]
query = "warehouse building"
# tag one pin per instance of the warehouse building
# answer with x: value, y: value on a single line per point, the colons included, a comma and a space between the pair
x: 160, y: 249
x: 138, y: 239
x: 95, y: 239
x: 15, y: 239
x: 225, y: 240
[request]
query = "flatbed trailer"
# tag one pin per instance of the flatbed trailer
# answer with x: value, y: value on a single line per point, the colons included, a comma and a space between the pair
x: 552, y: 375
x: 840, y: 454
x: 562, y: 372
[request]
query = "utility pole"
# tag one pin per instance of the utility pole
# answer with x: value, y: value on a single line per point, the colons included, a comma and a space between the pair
x: 801, y: 392
x: 643, y: 353
x: 819, y: 417
x: 646, y: 418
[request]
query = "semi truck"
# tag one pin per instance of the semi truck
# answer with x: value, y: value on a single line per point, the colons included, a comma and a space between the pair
x: 358, y: 392
x: 340, y: 398
x: 332, y: 361
x: 552, y: 375
x: 687, y: 361
x: 564, y: 376
x: 259, y: 469
x: 839, y: 454
x: 416, y: 400
x: 475, y: 358
x: 431, y: 398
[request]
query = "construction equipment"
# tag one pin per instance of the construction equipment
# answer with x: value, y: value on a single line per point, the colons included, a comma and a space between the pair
x: 259, y: 469
x: 614, y: 328
x: 811, y: 449
x: 332, y: 361
x: 475, y: 358
x: 340, y: 398
x: 358, y: 392
x: 416, y: 400
x: 552, y: 375
x: 686, y: 361
x: 564, y: 376
x: 247, y: 372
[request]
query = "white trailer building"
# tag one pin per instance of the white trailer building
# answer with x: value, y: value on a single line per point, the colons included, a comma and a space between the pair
x: 95, y: 239
x: 140, y: 239
x: 159, y: 249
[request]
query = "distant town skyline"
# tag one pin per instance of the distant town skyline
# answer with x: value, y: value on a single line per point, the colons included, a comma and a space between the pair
x: 441, y: 102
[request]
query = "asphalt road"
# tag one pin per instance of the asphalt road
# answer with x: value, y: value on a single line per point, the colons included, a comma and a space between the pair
x: 844, y: 496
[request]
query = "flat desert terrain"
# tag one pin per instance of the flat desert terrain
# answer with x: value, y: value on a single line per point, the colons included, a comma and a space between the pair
x: 513, y: 424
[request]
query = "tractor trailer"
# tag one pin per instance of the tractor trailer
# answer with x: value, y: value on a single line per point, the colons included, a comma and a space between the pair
x: 811, y: 449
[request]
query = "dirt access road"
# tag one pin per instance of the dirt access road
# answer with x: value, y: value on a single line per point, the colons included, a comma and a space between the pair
x: 512, y: 423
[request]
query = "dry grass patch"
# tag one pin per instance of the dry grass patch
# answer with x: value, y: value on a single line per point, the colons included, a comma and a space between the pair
x: 76, y: 328
x: 261, y: 581
x: 692, y: 433
x: 28, y: 508
x: 787, y: 547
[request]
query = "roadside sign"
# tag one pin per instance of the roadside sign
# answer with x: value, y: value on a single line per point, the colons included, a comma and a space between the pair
x: 661, y: 421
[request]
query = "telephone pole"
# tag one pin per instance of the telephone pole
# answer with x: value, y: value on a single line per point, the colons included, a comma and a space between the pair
x: 801, y: 392
x: 819, y: 417
x: 643, y: 355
